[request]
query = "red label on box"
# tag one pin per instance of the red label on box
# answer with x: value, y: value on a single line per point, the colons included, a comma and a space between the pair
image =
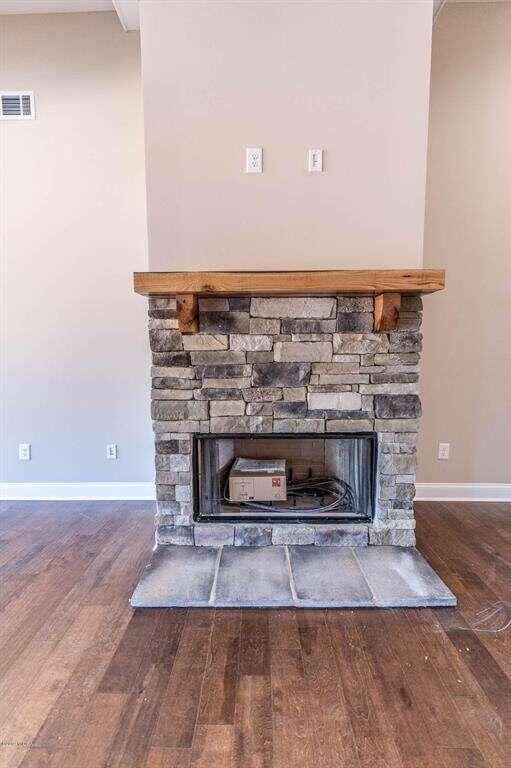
x: 275, y: 482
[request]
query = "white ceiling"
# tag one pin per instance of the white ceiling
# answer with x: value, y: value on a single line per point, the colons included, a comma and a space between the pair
x: 54, y: 6
x: 127, y: 10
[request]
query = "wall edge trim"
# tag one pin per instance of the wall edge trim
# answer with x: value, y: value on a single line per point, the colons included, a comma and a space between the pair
x: 146, y: 491
x: 463, y: 492
x: 77, y: 491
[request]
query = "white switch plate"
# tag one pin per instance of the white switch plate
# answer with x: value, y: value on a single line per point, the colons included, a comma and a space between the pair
x: 315, y: 158
x: 443, y: 451
x: 254, y: 160
x: 111, y: 451
x: 24, y: 453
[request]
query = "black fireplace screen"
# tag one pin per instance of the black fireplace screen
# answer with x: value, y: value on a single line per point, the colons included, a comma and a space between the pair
x: 296, y: 477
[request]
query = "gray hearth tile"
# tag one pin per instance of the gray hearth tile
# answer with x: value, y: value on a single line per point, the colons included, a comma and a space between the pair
x: 177, y: 576
x: 328, y: 577
x: 253, y: 576
x: 400, y: 577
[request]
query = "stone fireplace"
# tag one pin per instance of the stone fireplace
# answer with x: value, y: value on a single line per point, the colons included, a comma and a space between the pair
x: 303, y: 367
x: 309, y: 381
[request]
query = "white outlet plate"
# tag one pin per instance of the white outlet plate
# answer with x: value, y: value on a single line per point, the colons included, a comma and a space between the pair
x: 24, y: 452
x: 254, y: 160
x: 443, y: 451
x: 111, y: 451
x: 315, y: 160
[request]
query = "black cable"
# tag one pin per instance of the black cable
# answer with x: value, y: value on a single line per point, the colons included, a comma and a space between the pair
x: 314, y: 487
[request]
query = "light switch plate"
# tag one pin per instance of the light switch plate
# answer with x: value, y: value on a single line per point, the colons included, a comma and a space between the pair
x: 315, y: 160
x: 443, y: 451
x: 111, y: 451
x: 254, y: 160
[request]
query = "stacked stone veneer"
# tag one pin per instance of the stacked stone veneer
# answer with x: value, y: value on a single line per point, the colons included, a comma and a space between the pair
x: 273, y: 365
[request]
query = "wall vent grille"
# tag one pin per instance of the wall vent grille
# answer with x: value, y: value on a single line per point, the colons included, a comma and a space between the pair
x: 17, y: 105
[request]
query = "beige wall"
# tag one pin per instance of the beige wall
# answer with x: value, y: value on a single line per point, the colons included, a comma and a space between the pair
x: 467, y: 329
x: 76, y: 363
x: 350, y: 77
x: 73, y: 219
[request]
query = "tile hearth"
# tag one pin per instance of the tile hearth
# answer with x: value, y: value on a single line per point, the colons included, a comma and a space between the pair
x: 294, y: 576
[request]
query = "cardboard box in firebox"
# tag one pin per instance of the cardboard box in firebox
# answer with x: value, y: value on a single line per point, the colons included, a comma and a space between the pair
x: 258, y: 480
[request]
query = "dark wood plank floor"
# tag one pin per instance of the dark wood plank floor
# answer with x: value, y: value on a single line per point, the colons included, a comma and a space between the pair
x: 88, y: 682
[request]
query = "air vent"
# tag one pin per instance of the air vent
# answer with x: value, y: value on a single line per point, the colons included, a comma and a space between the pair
x: 17, y: 105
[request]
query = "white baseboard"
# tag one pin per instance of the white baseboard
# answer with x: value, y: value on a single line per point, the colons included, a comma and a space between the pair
x: 146, y: 491
x: 463, y: 492
x: 77, y: 491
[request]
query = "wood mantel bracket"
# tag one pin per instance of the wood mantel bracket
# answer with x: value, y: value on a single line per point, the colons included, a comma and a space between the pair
x: 386, y: 311
x: 187, y: 305
x: 386, y: 285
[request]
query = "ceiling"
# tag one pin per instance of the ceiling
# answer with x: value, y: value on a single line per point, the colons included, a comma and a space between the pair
x: 54, y: 6
x: 127, y: 10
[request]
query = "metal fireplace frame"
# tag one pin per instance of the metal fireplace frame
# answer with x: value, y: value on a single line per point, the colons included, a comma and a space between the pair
x: 275, y: 519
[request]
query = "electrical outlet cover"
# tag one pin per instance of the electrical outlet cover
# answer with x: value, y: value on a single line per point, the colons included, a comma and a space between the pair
x: 24, y: 452
x: 254, y: 160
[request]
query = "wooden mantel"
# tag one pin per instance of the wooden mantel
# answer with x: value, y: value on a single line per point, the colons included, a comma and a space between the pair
x: 386, y: 285
x: 361, y: 282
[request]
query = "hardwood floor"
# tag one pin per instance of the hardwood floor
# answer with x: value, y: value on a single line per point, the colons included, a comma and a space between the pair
x: 87, y: 681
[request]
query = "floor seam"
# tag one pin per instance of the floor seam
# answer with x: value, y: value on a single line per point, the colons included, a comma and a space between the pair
x: 212, y: 594
x: 292, y: 584
x: 354, y: 553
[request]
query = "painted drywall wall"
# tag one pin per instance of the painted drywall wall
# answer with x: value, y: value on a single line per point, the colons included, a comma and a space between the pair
x: 349, y: 77
x: 75, y: 373
x: 467, y: 328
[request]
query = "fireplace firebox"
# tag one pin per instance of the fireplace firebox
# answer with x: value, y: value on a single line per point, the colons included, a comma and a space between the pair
x: 328, y: 478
